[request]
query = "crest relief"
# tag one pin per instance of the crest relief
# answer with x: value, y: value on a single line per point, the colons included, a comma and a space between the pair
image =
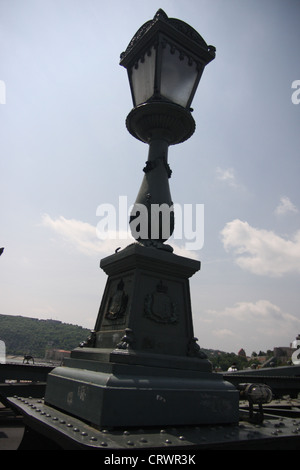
x: 159, y: 306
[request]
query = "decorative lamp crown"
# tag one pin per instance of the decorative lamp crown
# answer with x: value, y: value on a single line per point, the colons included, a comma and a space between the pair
x: 165, y: 60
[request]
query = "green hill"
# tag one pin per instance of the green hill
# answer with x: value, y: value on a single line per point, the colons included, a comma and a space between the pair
x: 23, y: 335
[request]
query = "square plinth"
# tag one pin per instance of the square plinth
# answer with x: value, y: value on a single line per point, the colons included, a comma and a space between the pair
x: 142, y: 365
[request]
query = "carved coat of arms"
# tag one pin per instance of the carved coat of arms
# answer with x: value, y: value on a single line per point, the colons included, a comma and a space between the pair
x: 159, y: 307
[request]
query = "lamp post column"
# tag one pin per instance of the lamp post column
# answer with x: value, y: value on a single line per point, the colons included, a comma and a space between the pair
x: 153, y: 209
x: 160, y: 124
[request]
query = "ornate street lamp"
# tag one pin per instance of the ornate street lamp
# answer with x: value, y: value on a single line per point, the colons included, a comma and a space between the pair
x: 142, y: 365
x: 164, y: 60
x: 140, y: 381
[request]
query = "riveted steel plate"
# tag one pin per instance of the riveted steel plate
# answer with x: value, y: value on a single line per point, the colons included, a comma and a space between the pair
x: 71, y: 433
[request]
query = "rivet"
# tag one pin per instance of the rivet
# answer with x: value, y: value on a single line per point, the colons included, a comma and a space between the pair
x: 182, y: 438
x: 130, y: 443
x: 168, y: 441
x: 126, y: 433
x: 62, y: 421
x: 76, y: 430
x: 143, y: 440
x: 70, y: 425
x: 48, y: 415
x: 104, y: 444
x: 93, y: 438
x: 84, y: 433
x: 55, y: 418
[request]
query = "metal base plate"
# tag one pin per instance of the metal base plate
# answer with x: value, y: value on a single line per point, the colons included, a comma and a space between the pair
x: 71, y: 433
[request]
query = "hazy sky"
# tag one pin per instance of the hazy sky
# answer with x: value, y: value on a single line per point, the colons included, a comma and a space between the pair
x: 65, y: 151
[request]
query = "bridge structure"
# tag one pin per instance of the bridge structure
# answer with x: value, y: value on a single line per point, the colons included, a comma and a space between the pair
x: 274, y: 425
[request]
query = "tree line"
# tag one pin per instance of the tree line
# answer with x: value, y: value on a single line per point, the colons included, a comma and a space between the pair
x: 24, y: 335
x: 31, y: 336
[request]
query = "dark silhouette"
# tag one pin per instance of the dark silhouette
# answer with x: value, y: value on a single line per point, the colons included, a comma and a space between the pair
x: 28, y: 358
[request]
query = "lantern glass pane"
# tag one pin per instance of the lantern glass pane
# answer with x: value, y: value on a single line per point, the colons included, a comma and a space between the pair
x: 143, y: 78
x: 177, y: 76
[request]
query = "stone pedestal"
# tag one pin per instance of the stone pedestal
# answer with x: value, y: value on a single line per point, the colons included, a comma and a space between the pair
x: 147, y: 295
x: 142, y: 365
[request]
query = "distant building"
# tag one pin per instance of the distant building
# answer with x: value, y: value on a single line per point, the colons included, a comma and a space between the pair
x: 281, y: 355
x: 283, y: 352
x: 56, y: 355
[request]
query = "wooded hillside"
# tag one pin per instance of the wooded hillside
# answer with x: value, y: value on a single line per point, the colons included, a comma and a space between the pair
x: 23, y: 335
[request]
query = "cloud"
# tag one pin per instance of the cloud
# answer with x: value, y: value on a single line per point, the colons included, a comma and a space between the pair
x: 261, y: 251
x: 259, y: 322
x: 250, y: 312
x: 223, y: 333
x: 85, y: 237
x: 285, y: 206
x: 227, y: 176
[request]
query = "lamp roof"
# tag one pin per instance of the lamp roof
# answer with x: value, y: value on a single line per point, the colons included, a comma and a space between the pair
x: 176, y: 29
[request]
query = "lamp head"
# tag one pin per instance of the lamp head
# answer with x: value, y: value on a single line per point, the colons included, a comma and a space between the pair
x: 165, y: 60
